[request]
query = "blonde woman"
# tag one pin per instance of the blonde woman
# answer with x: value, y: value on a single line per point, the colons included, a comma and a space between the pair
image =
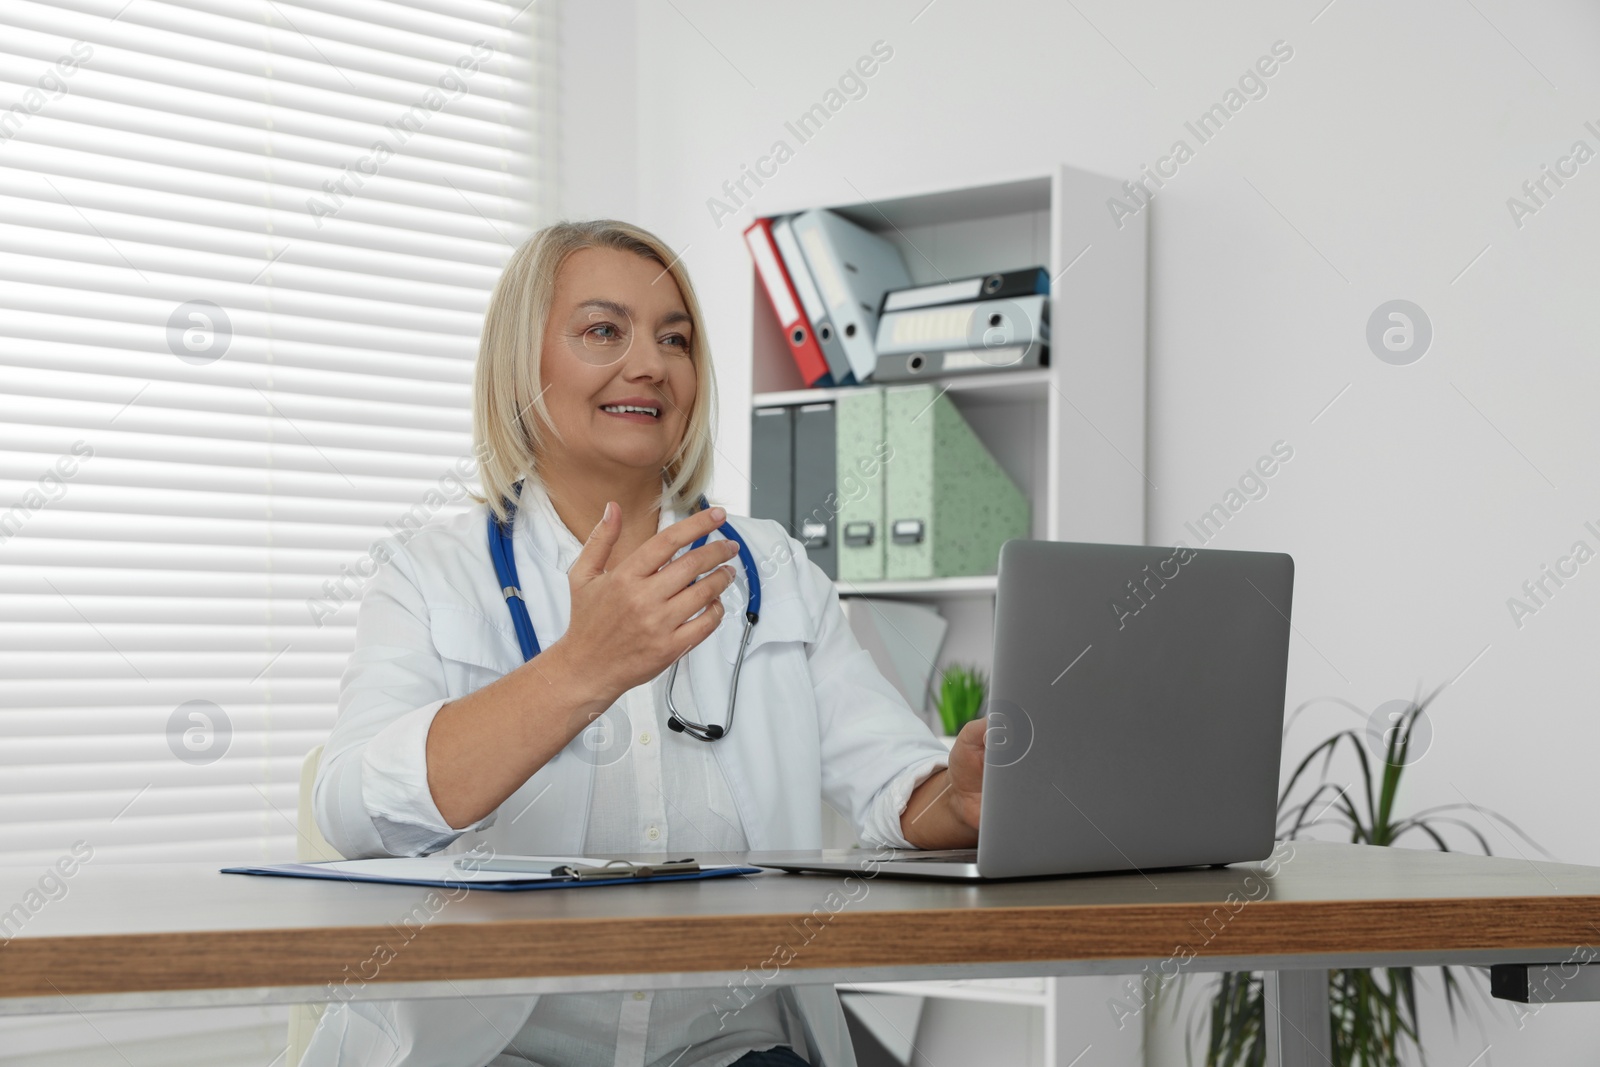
x: 462, y: 723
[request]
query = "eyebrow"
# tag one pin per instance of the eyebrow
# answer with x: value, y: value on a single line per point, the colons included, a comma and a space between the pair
x: 670, y: 318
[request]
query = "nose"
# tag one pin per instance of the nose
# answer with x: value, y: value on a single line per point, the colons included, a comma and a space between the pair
x: 644, y: 362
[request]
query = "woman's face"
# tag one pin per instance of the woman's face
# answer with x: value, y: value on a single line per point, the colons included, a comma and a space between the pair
x: 617, y: 340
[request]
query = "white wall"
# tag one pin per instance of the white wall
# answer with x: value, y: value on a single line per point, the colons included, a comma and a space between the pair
x: 597, y: 153
x: 1377, y: 166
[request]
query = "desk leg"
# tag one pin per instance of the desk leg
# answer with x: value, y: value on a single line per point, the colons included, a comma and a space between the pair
x: 1297, y: 1019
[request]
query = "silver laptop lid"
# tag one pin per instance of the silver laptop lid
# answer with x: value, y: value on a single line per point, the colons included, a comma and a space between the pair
x: 1136, y: 707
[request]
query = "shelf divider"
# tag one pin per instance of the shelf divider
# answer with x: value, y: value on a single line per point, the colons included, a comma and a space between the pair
x: 1005, y: 385
x: 965, y: 585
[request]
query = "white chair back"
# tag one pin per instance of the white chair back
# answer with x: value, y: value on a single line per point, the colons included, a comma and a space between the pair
x: 310, y: 846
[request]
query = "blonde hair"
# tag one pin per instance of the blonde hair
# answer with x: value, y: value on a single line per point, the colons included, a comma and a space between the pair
x: 505, y: 381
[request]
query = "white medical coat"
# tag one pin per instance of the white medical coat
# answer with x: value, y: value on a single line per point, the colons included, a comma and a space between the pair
x: 816, y: 720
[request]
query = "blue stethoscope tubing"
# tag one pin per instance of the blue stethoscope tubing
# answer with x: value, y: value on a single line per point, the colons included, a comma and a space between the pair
x: 505, y: 569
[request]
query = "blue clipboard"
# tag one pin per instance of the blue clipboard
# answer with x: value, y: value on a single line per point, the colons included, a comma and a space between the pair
x: 445, y: 872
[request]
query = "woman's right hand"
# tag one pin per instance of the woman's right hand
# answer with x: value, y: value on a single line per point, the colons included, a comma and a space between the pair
x: 629, y: 623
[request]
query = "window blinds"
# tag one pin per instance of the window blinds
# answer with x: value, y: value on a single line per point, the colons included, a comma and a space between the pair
x: 245, y: 247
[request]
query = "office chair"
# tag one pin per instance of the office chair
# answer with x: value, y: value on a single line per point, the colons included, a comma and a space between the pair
x: 310, y: 846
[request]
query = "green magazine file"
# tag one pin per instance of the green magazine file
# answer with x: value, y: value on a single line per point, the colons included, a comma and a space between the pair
x: 947, y: 503
x: 859, y: 486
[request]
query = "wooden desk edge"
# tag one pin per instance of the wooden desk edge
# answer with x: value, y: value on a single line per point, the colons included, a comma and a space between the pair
x: 819, y: 940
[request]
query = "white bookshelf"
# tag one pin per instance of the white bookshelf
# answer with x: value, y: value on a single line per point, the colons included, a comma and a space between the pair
x: 1072, y: 435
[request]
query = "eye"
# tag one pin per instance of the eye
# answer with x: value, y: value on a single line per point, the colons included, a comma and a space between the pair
x: 677, y: 340
x: 603, y: 332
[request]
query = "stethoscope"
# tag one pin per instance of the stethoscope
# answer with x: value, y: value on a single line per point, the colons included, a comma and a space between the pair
x: 505, y: 568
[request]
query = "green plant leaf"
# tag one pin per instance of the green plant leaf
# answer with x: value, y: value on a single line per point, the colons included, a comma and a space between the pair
x: 1373, y: 1015
x: 961, y: 695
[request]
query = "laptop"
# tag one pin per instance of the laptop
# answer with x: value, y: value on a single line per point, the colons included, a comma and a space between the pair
x: 1135, y: 716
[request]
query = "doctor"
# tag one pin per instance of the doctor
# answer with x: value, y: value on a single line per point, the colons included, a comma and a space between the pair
x: 592, y: 405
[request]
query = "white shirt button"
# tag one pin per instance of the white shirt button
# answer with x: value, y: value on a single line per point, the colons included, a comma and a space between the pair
x: 644, y: 738
x: 652, y: 833
x: 638, y: 996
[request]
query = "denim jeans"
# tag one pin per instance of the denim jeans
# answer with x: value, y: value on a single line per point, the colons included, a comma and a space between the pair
x: 782, y: 1056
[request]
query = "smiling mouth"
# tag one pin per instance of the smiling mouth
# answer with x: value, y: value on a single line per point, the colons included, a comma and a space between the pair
x: 631, y: 409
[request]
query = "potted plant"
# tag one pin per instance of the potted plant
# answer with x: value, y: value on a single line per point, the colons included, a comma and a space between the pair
x: 1373, y: 1011
x: 961, y: 694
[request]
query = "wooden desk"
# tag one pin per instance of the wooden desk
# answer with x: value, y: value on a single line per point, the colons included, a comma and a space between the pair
x: 184, y: 934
